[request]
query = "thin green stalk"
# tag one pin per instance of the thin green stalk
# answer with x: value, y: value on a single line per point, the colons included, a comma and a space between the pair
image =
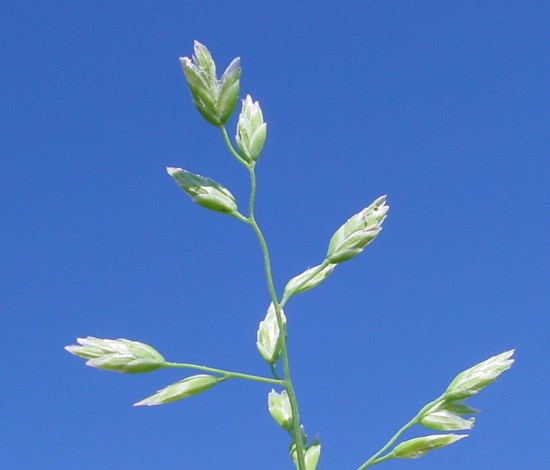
x: 233, y: 152
x: 240, y: 217
x: 274, y: 371
x: 287, y: 381
x: 375, y: 459
x: 296, y: 427
x: 225, y: 373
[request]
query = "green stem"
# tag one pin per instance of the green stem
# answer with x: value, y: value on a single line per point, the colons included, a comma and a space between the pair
x: 225, y: 373
x: 274, y: 371
x: 233, y: 152
x: 375, y: 459
x: 286, y: 382
x: 239, y: 216
x: 296, y: 427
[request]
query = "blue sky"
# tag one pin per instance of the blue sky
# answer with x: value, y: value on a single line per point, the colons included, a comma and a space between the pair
x: 441, y: 105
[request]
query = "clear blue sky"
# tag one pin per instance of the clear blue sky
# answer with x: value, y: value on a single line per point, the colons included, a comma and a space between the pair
x: 442, y: 105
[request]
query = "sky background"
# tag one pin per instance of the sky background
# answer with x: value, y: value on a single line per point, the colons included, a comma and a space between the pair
x: 442, y: 105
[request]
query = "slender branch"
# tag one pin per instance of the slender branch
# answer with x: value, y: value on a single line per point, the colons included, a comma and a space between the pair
x: 232, y: 150
x: 375, y: 459
x: 296, y: 427
x: 239, y: 216
x: 274, y: 371
x: 225, y: 373
x: 286, y: 382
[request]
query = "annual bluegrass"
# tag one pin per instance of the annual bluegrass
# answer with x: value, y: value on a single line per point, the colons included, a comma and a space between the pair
x: 216, y: 99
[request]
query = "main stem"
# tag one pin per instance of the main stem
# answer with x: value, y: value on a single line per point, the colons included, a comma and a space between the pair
x: 286, y: 382
x: 296, y: 427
